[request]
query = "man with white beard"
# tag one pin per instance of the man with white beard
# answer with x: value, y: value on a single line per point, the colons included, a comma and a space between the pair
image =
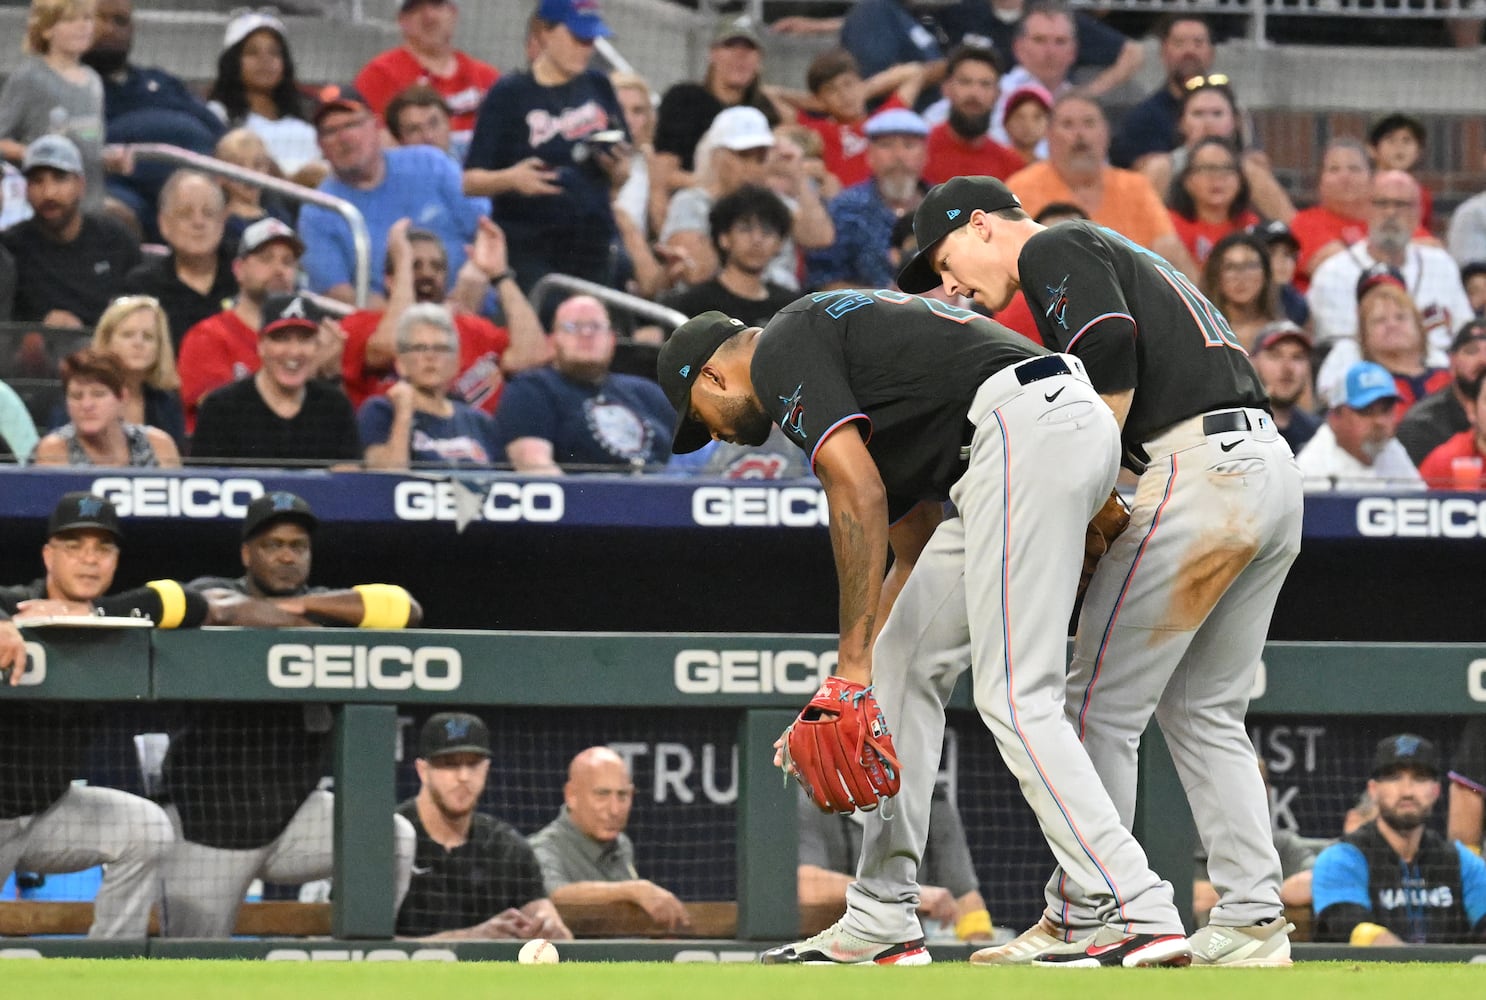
x: 864, y: 214
x: 1430, y: 274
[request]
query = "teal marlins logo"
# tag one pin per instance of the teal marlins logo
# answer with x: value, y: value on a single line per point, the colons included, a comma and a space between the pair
x: 792, y: 416
x: 1057, y: 303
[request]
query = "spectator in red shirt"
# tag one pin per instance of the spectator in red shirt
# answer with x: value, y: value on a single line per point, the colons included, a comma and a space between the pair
x: 418, y: 272
x: 1029, y: 110
x: 428, y: 56
x: 223, y: 348
x: 1340, y: 217
x: 840, y: 95
x: 959, y: 145
x: 1209, y: 198
x: 1457, y: 464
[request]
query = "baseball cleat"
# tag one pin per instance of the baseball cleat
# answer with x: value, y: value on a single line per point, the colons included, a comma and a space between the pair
x: 837, y: 946
x: 1263, y: 946
x: 1038, y: 939
x: 1111, y: 948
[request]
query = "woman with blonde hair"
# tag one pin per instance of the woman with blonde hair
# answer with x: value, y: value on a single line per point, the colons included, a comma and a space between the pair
x: 52, y: 91
x: 134, y: 328
x: 98, y: 433
x: 1391, y: 332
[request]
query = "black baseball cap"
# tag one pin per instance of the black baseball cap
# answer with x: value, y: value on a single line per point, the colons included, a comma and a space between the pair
x: 681, y: 360
x: 282, y: 312
x: 337, y: 98
x: 280, y: 505
x: 944, y: 209
x: 1274, y: 231
x: 453, y: 732
x: 81, y: 510
x: 1472, y: 329
x: 1406, y: 750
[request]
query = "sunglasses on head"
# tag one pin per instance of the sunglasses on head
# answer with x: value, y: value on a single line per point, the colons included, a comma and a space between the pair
x: 1211, y: 80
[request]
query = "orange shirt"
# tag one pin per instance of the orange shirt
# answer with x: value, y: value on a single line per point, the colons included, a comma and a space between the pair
x: 1130, y: 205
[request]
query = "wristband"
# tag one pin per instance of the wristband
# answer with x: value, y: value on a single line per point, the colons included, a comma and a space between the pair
x: 1365, y: 934
x: 975, y: 924
x: 385, y: 605
x: 507, y: 273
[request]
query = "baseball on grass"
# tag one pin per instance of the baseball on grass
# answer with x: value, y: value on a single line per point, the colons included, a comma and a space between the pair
x: 538, y: 951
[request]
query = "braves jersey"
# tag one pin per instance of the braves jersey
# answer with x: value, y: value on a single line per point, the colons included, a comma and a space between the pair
x: 904, y: 368
x: 1086, y: 284
x: 1438, y: 898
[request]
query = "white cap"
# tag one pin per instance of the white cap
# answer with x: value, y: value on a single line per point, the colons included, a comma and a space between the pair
x: 741, y: 128
x: 245, y: 22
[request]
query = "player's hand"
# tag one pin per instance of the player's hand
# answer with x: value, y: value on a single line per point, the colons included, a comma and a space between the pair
x: 936, y: 903
x: 12, y: 651
x: 489, y: 252
x: 510, y: 923
x: 49, y: 607
x: 779, y: 749
x: 532, y: 176
x: 661, y: 905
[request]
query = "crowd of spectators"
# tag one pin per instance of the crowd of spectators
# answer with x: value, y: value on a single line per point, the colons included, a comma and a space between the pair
x: 727, y: 192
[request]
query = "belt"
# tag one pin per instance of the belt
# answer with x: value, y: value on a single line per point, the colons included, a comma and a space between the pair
x: 1040, y: 368
x: 1218, y: 423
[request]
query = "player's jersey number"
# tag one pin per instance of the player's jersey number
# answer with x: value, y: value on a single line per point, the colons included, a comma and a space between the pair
x: 1214, y: 327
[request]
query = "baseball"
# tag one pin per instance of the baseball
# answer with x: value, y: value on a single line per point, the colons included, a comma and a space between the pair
x: 538, y: 951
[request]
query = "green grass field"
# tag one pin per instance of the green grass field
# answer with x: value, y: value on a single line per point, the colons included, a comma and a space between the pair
x: 156, y: 979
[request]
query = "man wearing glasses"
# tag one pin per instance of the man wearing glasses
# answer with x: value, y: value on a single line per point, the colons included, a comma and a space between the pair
x: 412, y: 182
x: 576, y: 413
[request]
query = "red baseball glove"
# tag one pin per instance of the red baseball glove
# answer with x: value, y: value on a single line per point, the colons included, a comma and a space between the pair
x: 840, y: 749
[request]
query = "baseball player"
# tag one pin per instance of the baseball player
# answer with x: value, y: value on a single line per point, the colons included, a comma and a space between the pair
x: 1175, y: 618
x: 243, y: 780
x: 902, y: 403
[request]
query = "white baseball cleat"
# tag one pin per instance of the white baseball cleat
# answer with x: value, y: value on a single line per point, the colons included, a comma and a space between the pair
x: 1263, y: 946
x: 1038, y: 939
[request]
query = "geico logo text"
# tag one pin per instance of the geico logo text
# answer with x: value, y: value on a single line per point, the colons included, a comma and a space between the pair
x: 540, y: 503
x: 35, y: 665
x: 759, y: 507
x: 752, y: 671
x: 171, y: 496
x: 384, y: 668
x: 1421, y: 517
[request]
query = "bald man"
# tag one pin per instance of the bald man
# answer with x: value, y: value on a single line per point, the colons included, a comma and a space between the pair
x: 584, y: 853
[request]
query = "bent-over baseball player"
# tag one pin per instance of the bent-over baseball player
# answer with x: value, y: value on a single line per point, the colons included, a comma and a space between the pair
x: 902, y: 403
x: 1175, y: 617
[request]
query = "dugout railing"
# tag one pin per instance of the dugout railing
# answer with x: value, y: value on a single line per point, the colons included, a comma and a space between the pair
x: 749, y: 683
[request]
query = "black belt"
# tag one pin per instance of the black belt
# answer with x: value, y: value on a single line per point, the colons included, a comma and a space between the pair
x: 1218, y: 423
x: 1040, y: 368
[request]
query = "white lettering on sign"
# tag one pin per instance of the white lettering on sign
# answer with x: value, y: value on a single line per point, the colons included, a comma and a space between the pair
x: 1475, y: 680
x: 171, y: 496
x: 752, y: 671
x: 676, y: 776
x: 326, y: 666
x: 1421, y: 517
x: 35, y: 665
x: 508, y: 502
x: 360, y: 955
x: 760, y: 507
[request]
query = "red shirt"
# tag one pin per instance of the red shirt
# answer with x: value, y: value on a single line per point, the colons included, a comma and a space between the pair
x: 481, y: 344
x: 1313, y: 228
x: 950, y: 155
x: 843, y: 144
x: 1017, y: 316
x: 215, y: 352
x: 395, y: 70
x: 1200, y: 237
x: 1436, y: 467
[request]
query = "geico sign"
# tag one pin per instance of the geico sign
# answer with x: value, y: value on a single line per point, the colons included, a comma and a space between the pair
x: 36, y: 665
x: 752, y: 671
x: 382, y: 668
x: 759, y: 507
x: 541, y: 503
x: 1421, y: 517
x: 168, y: 496
x: 1475, y: 680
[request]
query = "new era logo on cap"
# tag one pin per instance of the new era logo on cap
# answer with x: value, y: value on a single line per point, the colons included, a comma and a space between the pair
x: 685, y: 370
x: 953, y: 213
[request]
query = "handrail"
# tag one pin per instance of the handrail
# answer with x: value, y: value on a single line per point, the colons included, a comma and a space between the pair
x: 360, y: 238
x: 548, y: 283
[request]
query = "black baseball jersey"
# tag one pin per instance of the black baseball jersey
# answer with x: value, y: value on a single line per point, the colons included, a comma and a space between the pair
x: 906, y: 368
x: 1137, y: 323
x: 1438, y: 898
x: 494, y: 870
